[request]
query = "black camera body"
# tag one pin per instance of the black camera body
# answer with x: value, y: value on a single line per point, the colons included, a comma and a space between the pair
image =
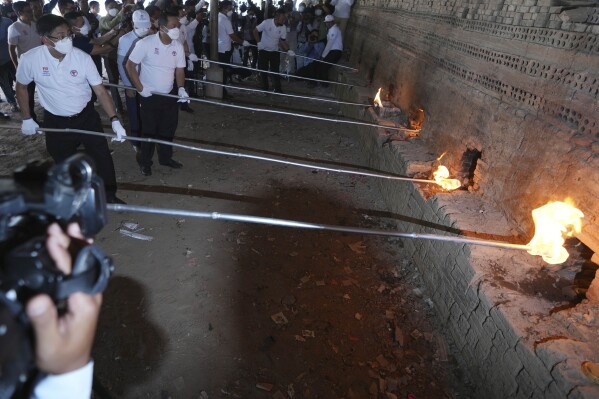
x: 35, y: 197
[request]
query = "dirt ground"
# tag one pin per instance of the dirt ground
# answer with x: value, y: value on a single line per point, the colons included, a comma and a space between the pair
x: 211, y: 309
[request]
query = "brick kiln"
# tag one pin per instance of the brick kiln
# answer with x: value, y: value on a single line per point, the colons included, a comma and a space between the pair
x: 509, y: 90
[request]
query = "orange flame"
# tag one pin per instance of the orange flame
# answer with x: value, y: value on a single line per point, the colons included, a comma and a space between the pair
x: 441, y: 176
x: 377, y: 99
x: 553, y: 221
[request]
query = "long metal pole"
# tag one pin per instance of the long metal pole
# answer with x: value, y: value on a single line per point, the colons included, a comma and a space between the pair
x: 311, y: 226
x: 283, y: 74
x: 214, y: 29
x: 234, y: 154
x: 328, y: 100
x: 271, y: 111
x: 314, y: 60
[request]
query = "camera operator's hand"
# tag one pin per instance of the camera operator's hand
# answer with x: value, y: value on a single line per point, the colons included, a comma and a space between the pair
x: 63, y: 344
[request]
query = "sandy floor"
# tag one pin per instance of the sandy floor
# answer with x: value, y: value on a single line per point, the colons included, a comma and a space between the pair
x: 190, y: 313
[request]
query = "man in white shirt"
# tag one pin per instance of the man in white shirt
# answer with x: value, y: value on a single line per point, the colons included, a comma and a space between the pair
x: 333, y: 50
x: 22, y: 37
x: 226, y: 35
x: 274, y: 34
x: 342, y: 13
x: 141, y: 28
x: 162, y: 60
x: 63, y: 76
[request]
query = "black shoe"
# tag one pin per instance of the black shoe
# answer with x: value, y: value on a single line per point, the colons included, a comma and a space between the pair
x: 146, y: 170
x: 113, y: 199
x: 171, y: 163
x: 185, y: 107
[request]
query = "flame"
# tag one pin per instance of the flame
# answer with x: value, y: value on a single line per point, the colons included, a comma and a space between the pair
x: 442, y: 155
x: 552, y: 222
x: 377, y: 99
x: 441, y: 177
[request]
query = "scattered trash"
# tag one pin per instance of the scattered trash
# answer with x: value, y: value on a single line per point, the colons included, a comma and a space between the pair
x: 417, y: 292
x: 382, y: 288
x: 130, y: 225
x: 358, y: 247
x: 265, y: 386
x: 279, y: 318
x: 320, y: 283
x: 348, y: 269
x: 398, y: 336
x: 384, y: 363
x: 389, y: 314
x: 305, y: 279
x: 346, y: 296
x: 137, y: 236
x: 300, y: 338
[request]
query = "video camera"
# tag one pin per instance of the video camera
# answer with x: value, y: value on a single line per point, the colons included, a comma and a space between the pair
x: 35, y: 197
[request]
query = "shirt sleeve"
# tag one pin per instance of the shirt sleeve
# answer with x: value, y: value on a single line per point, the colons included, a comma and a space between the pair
x: 137, y: 54
x: 284, y: 34
x: 261, y: 26
x: 91, y: 72
x: 228, y: 27
x: 13, y: 35
x: 181, y: 63
x: 73, y: 385
x: 24, y: 71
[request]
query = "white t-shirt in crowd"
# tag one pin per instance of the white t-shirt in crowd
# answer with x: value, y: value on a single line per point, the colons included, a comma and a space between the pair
x: 271, y: 34
x: 63, y: 86
x: 334, y: 40
x: 342, y: 8
x: 224, y: 30
x: 158, y: 62
x: 23, y: 36
x: 126, y: 44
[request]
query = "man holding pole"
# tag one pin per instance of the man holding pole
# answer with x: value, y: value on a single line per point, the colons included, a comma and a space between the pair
x: 274, y: 35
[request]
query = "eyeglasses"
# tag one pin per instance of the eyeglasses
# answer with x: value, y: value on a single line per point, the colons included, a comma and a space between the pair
x: 69, y: 35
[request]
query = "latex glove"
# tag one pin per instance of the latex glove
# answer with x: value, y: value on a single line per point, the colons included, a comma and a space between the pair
x: 119, y: 130
x: 246, y: 43
x: 184, y: 96
x: 291, y: 53
x: 193, y: 57
x: 145, y: 92
x: 260, y: 46
x: 29, y: 127
x: 190, y: 65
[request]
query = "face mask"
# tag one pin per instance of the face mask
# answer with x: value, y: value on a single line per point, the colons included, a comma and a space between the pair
x: 84, y: 30
x: 64, y: 46
x: 141, y: 32
x: 301, y: 8
x: 113, y: 12
x: 318, y: 13
x: 229, y: 14
x: 183, y: 21
x: 173, y: 33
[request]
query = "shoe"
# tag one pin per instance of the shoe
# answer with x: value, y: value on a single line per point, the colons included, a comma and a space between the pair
x: 14, y: 107
x: 113, y: 199
x: 171, y: 163
x: 146, y: 170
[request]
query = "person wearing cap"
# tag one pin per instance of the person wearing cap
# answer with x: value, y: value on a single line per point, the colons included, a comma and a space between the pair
x: 141, y: 28
x: 22, y: 37
x: 274, y: 34
x: 63, y: 76
x: 161, y: 61
x: 332, y: 51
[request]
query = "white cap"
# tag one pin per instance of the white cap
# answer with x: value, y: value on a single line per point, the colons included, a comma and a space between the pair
x: 329, y: 18
x: 141, y: 19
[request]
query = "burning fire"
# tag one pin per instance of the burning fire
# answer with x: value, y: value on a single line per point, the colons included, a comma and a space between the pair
x: 552, y: 222
x: 441, y: 176
x: 377, y: 99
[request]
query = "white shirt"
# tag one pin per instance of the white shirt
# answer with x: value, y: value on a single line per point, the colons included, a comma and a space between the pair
x: 224, y: 30
x: 334, y: 40
x: 76, y: 384
x: 63, y: 86
x: 342, y: 8
x: 158, y: 62
x: 126, y: 44
x: 271, y: 34
x: 24, y: 36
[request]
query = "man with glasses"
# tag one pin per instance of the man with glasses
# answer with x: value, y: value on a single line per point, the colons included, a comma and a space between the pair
x: 63, y: 75
x: 22, y: 37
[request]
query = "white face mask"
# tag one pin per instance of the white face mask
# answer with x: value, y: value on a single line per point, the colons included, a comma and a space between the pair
x: 141, y: 32
x: 173, y: 33
x: 84, y: 30
x: 64, y: 46
x: 301, y: 8
x: 113, y: 12
x: 183, y: 21
x: 229, y: 14
x: 318, y: 13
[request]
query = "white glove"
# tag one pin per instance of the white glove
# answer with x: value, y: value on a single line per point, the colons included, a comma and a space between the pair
x: 246, y: 43
x: 190, y: 65
x: 193, y: 57
x: 29, y: 127
x: 260, y: 46
x: 119, y: 130
x: 145, y: 92
x: 184, y: 97
x: 291, y: 53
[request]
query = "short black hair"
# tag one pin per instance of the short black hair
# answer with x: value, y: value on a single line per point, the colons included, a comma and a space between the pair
x: 107, y: 2
x: 72, y: 16
x: 94, y: 3
x: 225, y: 3
x: 47, y: 23
x: 151, y: 10
x: 280, y: 11
x: 62, y: 3
x: 163, y: 18
x: 19, y: 6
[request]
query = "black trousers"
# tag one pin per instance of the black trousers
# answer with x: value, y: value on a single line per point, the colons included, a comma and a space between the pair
x: 60, y: 146
x: 159, y: 119
x: 323, y: 69
x: 269, y: 61
x: 225, y: 57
